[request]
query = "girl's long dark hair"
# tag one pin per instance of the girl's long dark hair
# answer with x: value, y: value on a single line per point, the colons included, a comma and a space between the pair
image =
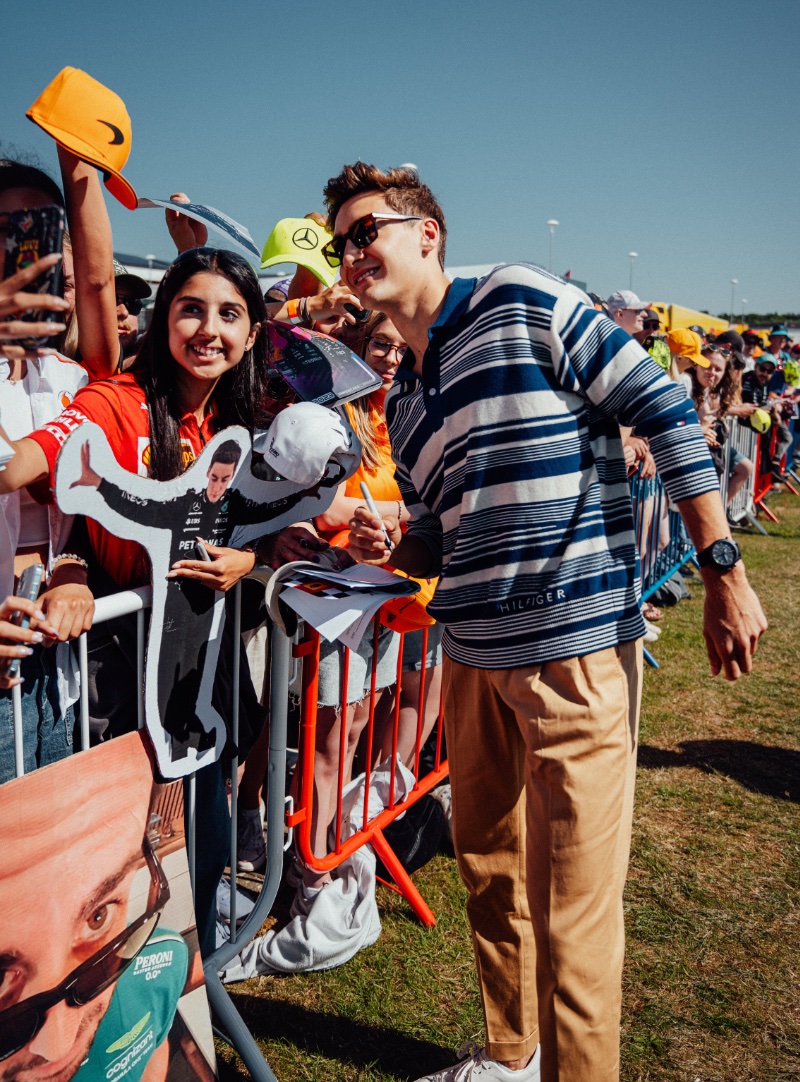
x: 726, y: 390
x: 239, y: 393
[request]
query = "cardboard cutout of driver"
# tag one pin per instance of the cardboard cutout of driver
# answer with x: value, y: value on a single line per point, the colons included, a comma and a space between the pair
x: 220, y: 500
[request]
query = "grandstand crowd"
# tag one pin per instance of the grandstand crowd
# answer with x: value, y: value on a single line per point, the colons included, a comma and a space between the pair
x: 511, y: 412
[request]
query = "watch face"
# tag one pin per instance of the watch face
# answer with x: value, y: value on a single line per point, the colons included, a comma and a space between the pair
x: 724, y: 553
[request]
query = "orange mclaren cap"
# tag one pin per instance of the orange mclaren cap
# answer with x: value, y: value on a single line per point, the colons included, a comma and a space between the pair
x: 90, y: 121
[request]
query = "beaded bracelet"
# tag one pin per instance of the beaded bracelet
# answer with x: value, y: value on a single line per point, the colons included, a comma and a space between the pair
x: 70, y: 556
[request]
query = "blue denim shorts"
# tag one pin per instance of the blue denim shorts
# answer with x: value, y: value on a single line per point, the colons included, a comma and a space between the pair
x: 46, y: 730
x: 412, y: 649
x: 359, y: 674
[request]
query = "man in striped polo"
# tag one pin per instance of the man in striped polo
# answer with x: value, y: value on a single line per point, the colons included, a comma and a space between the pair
x: 505, y: 429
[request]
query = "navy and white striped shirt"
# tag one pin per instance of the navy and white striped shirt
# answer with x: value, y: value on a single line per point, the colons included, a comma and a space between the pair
x: 510, y: 461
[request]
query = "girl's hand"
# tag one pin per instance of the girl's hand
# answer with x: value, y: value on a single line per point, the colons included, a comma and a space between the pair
x: 16, y: 641
x: 186, y: 232
x: 69, y: 609
x: 226, y: 568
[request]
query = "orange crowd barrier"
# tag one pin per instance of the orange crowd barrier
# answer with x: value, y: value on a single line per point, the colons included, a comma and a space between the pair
x: 370, y: 831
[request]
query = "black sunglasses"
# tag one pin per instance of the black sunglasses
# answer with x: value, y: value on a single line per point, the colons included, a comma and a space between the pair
x: 20, y: 1023
x: 133, y: 304
x: 651, y: 325
x: 361, y: 233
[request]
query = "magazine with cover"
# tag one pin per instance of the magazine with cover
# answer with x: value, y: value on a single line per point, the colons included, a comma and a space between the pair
x: 317, y: 367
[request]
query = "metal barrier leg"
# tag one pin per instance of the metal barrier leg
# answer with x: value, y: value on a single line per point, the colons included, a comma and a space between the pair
x: 402, y: 878
x: 755, y: 523
x: 238, y: 1033
x: 651, y: 661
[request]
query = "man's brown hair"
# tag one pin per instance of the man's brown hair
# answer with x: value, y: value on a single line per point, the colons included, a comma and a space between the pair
x: 401, y: 188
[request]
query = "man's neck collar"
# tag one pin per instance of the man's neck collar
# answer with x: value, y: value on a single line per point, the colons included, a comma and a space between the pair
x: 414, y: 316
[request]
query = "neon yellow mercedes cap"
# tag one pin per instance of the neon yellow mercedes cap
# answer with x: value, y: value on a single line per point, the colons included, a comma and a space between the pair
x: 299, y: 240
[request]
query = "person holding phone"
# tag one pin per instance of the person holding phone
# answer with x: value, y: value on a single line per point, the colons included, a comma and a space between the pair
x: 35, y: 386
x: 17, y: 641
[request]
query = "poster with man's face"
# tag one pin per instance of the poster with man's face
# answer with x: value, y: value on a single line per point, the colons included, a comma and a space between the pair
x: 100, y: 973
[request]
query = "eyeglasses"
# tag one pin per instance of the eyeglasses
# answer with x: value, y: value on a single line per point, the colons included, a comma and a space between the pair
x: 724, y: 350
x: 20, y: 1024
x: 379, y: 347
x: 766, y: 368
x: 362, y: 233
x: 133, y: 304
x: 651, y: 325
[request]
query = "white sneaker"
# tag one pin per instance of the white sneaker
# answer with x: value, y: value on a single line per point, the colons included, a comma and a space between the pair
x: 251, y: 849
x: 482, y: 1069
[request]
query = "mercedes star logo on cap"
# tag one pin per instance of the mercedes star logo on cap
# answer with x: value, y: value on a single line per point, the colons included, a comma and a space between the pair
x: 305, y: 238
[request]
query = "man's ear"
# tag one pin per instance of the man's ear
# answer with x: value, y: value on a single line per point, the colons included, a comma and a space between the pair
x: 430, y: 235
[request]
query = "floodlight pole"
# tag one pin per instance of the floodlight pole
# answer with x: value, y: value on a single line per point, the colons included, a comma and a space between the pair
x: 734, y: 284
x: 551, y: 225
x: 631, y: 256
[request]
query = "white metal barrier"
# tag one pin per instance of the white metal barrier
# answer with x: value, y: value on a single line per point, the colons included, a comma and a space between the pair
x: 744, y: 440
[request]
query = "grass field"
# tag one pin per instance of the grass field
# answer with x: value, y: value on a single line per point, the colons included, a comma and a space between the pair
x: 712, y: 902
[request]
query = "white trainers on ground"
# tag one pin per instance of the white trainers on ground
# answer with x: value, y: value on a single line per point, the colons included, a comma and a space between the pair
x: 479, y: 1068
x: 251, y: 849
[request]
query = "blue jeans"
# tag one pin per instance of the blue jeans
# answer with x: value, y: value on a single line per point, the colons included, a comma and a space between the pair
x: 46, y: 732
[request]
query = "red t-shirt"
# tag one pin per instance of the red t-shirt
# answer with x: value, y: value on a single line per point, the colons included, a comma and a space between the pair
x: 118, y: 405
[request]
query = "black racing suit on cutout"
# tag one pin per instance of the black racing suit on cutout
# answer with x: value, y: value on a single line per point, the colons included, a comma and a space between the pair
x: 188, y: 611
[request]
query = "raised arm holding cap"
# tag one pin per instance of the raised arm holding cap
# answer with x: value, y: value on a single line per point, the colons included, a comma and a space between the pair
x: 92, y: 128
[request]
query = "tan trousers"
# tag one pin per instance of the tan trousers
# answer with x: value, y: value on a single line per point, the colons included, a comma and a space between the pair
x: 542, y: 767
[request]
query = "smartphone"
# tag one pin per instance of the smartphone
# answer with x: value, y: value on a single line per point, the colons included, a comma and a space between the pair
x: 360, y: 315
x: 31, y: 235
x: 28, y: 587
x: 201, y: 552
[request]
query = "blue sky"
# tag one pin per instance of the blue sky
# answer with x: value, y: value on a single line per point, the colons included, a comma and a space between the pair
x: 667, y: 129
